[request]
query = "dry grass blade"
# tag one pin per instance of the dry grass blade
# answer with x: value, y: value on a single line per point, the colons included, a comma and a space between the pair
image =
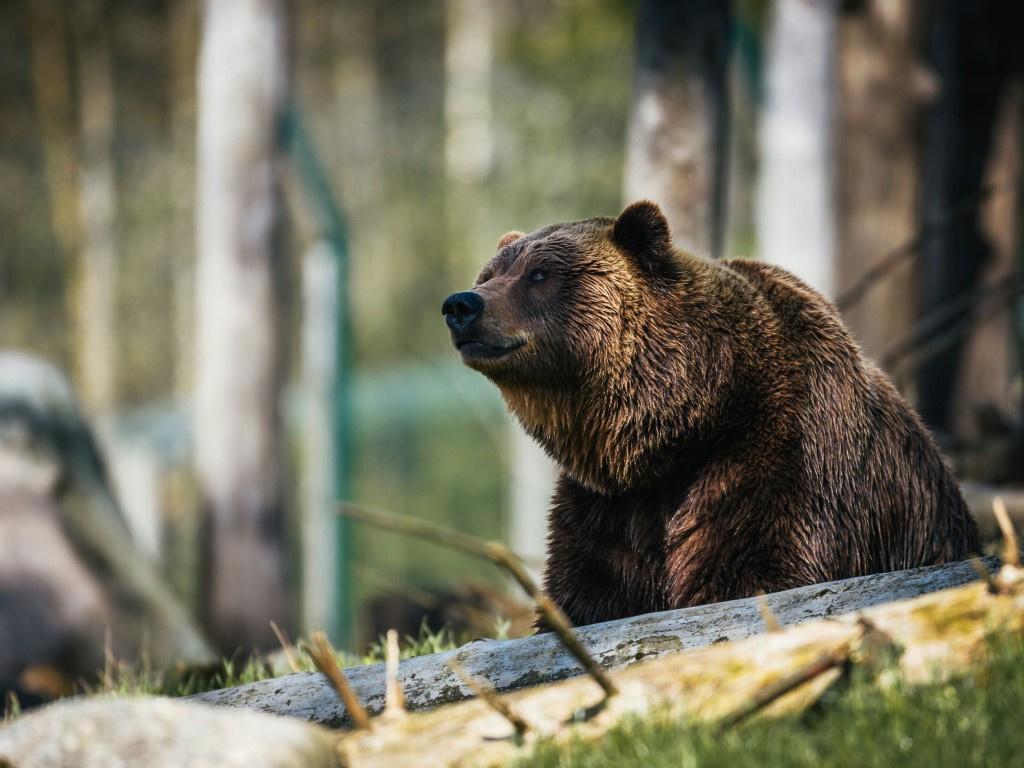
x: 323, y: 656
x: 1011, y: 556
x: 286, y: 646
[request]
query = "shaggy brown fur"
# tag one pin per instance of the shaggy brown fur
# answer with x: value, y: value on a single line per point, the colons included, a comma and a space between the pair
x: 719, y: 431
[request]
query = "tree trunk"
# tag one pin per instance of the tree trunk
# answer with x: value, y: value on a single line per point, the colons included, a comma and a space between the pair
x: 242, y: 85
x: 51, y: 81
x: 183, y: 31
x: 678, y: 128
x: 883, y: 85
x: 973, y: 48
x: 795, y: 211
x: 95, y: 292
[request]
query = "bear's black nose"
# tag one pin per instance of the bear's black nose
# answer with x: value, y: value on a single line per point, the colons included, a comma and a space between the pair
x: 461, y: 309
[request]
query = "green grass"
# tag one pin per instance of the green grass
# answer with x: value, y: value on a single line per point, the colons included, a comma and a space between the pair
x: 123, y: 678
x: 976, y: 719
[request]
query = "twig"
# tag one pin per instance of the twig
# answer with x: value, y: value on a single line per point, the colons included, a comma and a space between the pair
x: 778, y: 689
x: 414, y: 527
x: 501, y: 556
x: 895, y: 257
x: 1001, y: 291
x: 394, y: 698
x: 484, y: 690
x: 282, y: 638
x: 552, y: 614
x: 323, y: 656
x: 1011, y: 556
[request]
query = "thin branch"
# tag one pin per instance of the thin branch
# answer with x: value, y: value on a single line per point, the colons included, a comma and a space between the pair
x: 762, y: 698
x: 413, y: 527
x: 501, y: 556
x: 485, y: 691
x: 945, y: 340
x: 323, y: 656
x: 1001, y: 290
x: 966, y: 207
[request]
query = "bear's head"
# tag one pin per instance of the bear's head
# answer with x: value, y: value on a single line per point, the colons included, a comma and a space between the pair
x: 553, y: 307
x: 573, y: 323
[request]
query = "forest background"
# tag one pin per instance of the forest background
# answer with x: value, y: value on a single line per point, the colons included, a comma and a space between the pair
x: 440, y: 124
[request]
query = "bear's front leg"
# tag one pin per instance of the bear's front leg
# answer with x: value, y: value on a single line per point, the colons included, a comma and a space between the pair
x: 606, y: 555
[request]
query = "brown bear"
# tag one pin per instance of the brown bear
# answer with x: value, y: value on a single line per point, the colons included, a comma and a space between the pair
x: 719, y: 432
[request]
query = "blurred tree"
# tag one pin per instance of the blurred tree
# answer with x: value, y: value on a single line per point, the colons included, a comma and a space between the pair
x: 679, y: 121
x: 183, y: 45
x: 974, y: 48
x: 51, y: 77
x: 242, y: 89
x: 883, y: 88
x: 795, y: 211
x: 94, y: 287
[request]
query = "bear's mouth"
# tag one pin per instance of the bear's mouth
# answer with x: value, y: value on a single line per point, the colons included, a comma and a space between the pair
x: 475, y: 349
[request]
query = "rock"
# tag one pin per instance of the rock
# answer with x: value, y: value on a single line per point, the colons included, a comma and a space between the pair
x: 73, y: 586
x: 160, y: 733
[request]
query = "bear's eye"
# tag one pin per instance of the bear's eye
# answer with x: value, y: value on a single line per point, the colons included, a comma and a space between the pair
x: 538, y: 276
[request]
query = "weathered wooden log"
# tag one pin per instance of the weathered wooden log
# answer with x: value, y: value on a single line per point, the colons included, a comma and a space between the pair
x: 428, y: 681
x: 919, y: 640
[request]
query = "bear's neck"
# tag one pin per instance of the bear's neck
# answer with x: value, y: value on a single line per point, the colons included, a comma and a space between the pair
x: 614, y: 436
x: 602, y: 448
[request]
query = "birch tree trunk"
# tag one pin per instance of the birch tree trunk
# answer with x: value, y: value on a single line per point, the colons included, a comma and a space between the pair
x: 678, y: 127
x: 242, y: 83
x: 795, y: 212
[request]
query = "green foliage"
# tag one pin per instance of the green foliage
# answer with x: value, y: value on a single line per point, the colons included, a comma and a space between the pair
x: 971, y: 720
x: 426, y: 642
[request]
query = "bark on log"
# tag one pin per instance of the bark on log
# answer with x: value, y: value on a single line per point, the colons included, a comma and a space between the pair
x: 428, y: 681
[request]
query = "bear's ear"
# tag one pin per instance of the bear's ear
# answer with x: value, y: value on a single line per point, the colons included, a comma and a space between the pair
x: 642, y: 231
x: 508, y: 237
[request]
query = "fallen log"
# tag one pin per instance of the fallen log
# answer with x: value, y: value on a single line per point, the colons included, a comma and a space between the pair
x: 920, y: 640
x: 429, y: 681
